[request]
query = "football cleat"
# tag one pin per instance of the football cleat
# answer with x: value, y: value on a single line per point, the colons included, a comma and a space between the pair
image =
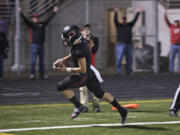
x: 173, y: 113
x: 85, y: 110
x: 97, y: 109
x: 77, y: 111
x: 123, y: 113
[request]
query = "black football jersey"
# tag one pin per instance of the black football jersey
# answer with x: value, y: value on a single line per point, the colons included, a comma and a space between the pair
x: 79, y: 51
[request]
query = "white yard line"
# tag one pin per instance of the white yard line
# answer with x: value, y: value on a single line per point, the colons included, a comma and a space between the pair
x: 89, y: 125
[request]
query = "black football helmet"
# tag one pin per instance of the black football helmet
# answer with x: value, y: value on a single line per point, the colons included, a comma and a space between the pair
x: 70, y: 34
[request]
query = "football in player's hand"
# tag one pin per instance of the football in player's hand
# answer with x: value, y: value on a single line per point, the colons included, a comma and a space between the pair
x: 58, y: 65
x: 64, y: 63
x: 61, y: 64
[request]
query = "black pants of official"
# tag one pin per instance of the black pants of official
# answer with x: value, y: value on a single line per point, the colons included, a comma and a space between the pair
x: 176, y: 101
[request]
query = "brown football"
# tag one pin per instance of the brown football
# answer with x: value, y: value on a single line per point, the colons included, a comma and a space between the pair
x: 65, y: 63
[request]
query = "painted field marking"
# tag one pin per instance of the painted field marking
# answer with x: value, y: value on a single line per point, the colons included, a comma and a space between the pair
x: 31, y: 121
x: 6, y: 134
x: 64, y: 104
x: 89, y: 125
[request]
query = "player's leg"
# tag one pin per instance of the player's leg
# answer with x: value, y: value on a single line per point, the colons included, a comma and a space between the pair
x: 84, y: 97
x: 64, y: 87
x: 176, y: 103
x: 69, y: 95
x: 110, y: 99
x: 95, y: 87
x: 95, y: 101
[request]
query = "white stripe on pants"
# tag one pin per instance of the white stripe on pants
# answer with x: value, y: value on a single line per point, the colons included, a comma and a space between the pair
x: 175, y: 97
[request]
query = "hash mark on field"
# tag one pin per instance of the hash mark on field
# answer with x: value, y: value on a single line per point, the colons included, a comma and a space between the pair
x: 90, y: 125
x: 79, y: 119
x: 131, y: 116
x: 6, y: 134
x: 31, y: 121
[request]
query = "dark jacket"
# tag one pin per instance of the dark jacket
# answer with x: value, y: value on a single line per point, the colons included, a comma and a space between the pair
x: 3, y: 42
x: 37, y: 29
x: 124, y: 32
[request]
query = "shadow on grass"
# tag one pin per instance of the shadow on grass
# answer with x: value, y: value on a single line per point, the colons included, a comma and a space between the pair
x: 148, y: 111
x: 140, y: 127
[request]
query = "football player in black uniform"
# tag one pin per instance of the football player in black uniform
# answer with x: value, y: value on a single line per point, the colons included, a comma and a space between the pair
x: 85, y: 74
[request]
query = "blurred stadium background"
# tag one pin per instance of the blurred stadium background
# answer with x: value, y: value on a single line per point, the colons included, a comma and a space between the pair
x: 150, y: 35
x: 151, y: 80
x: 151, y: 42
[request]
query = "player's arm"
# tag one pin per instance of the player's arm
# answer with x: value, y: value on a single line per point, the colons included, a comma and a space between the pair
x: 59, y: 62
x: 67, y: 58
x: 80, y: 69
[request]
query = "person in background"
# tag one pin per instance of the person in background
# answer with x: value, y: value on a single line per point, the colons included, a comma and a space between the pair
x: 175, y: 42
x: 124, y: 41
x: 4, y: 47
x: 37, y: 31
x: 93, y: 44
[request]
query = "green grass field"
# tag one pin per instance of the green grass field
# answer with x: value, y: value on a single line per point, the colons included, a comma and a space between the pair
x: 49, y: 115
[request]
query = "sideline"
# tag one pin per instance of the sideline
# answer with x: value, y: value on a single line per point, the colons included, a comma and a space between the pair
x: 67, y: 104
x: 89, y: 125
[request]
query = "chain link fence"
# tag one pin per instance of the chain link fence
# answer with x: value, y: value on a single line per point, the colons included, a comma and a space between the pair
x: 99, y: 14
x: 145, y: 45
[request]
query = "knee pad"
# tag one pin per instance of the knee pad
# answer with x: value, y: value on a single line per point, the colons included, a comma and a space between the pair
x: 60, y: 86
